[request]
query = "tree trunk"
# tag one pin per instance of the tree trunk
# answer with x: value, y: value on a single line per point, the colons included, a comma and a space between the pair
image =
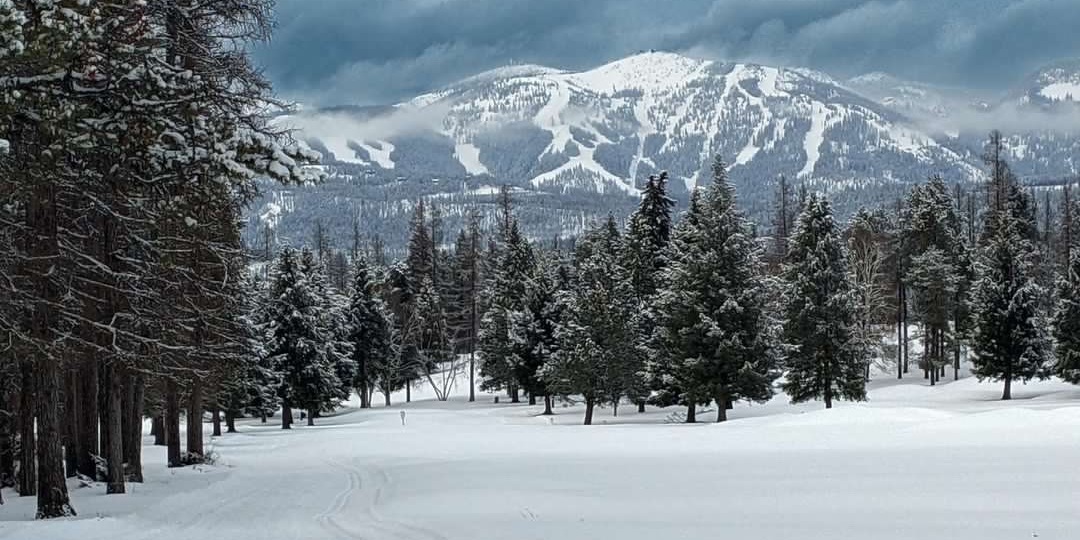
x: 589, y: 403
x: 532, y: 399
x: 133, y: 435
x: 691, y: 413
x: 722, y: 403
x: 956, y: 361
x: 514, y: 398
x: 114, y: 457
x: 86, y: 444
x: 7, y: 443
x: 1007, y: 394
x: 408, y: 392
x: 230, y: 421
x: 311, y: 417
x: 365, y: 397
x: 286, y: 414
x: 194, y: 420
x: 828, y: 397
x: 157, y: 429
x: 52, y: 493
x: 217, y: 421
x: 27, y: 439
x: 615, y: 408
x: 641, y: 406
x: 386, y: 397
x: 172, y: 423
x: 472, y: 376
x: 547, y: 405
x: 904, y: 312
x: 71, y: 424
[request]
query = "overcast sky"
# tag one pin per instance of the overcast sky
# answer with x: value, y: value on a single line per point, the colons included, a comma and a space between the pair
x: 380, y: 51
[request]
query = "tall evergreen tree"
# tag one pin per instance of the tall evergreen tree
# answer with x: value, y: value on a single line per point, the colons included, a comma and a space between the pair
x: 713, y: 333
x: 533, y: 330
x: 1066, y: 323
x: 823, y: 360
x: 369, y: 331
x: 596, y: 355
x: 506, y: 289
x: 1008, y: 340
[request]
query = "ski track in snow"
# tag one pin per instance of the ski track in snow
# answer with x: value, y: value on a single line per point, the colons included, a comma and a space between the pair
x: 815, y: 137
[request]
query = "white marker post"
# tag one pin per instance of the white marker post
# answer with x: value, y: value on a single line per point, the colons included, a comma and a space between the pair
x: 403, y: 418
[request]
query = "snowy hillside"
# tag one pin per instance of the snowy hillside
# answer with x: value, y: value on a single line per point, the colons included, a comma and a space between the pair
x: 604, y: 129
x: 947, y: 462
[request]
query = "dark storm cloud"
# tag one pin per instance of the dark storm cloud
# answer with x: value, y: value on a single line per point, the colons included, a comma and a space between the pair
x: 374, y: 51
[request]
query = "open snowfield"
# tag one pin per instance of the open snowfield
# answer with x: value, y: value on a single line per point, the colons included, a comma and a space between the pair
x: 915, y: 462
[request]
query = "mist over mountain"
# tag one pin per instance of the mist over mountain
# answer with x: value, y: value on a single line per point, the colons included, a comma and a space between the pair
x: 576, y: 144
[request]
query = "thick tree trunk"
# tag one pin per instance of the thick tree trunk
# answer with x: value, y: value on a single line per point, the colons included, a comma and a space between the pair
x: 136, y: 386
x: 230, y: 421
x: 472, y: 376
x: 216, y: 414
x: 722, y: 407
x: 691, y: 413
x: 86, y: 443
x: 311, y: 417
x: 70, y: 425
x: 514, y: 397
x: 7, y: 442
x: 194, y: 420
x: 547, y: 406
x: 27, y: 439
x: 365, y: 397
x: 386, y: 397
x: 172, y: 423
x: 532, y: 399
x: 828, y: 396
x: 1007, y: 394
x: 52, y: 493
x: 589, y: 404
x: 641, y: 406
x: 114, y: 456
x: 286, y: 414
x: 157, y: 429
x: 615, y: 408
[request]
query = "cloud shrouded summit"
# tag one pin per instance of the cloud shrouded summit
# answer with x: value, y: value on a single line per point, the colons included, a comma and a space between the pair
x: 379, y: 51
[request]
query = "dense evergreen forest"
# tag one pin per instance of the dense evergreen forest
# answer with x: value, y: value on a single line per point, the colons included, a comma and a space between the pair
x: 133, y: 134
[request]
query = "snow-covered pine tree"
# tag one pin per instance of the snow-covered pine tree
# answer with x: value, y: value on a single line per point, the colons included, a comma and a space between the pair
x: 298, y: 342
x: 648, y: 233
x: 369, y: 331
x: 823, y: 361
x: 336, y: 347
x: 533, y: 329
x: 505, y: 297
x: 1009, y: 339
x: 938, y: 271
x: 597, y: 356
x: 1066, y: 323
x: 713, y: 334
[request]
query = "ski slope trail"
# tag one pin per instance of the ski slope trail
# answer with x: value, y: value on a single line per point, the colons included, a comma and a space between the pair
x: 948, y: 462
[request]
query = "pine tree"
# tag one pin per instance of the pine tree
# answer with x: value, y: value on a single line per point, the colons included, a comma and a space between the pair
x: 596, y: 353
x: 369, y: 332
x: 1008, y: 339
x: 1066, y: 323
x: 648, y: 233
x: 505, y: 292
x: 533, y: 330
x: 297, y: 338
x: 465, y: 309
x: 823, y: 360
x: 713, y: 334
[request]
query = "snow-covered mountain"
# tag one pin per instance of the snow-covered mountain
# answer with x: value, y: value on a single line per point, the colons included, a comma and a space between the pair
x: 581, y: 141
x: 606, y: 128
x: 1052, y: 85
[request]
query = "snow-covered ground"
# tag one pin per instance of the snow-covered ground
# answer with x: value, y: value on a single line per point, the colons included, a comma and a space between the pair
x: 915, y: 462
